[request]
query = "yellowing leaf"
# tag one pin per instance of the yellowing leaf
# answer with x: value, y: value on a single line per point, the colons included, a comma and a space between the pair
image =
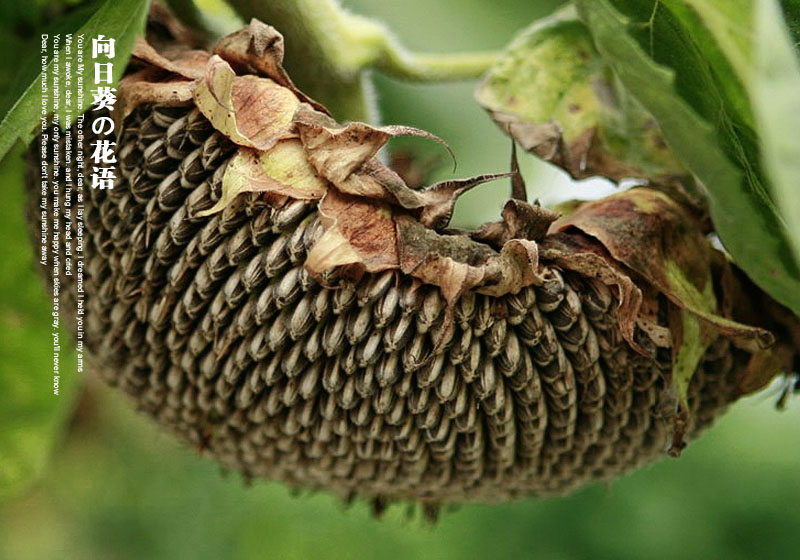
x: 286, y: 163
x: 281, y: 170
x: 555, y: 95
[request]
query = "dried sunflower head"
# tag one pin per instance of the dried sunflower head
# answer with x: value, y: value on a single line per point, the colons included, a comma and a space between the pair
x: 266, y: 288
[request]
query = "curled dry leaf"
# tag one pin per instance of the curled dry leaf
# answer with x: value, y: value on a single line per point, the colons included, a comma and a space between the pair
x: 439, y: 199
x: 358, y: 231
x: 345, y: 155
x: 143, y: 87
x: 458, y: 266
x: 521, y: 220
x: 369, y: 234
x: 258, y: 49
x: 650, y: 233
x: 167, y: 77
x: 183, y: 62
x: 252, y: 111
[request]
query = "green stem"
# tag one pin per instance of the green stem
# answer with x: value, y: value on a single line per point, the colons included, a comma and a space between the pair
x: 428, y: 67
x: 329, y: 50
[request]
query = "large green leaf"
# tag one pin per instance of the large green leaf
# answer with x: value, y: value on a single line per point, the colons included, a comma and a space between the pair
x: 121, y: 19
x: 677, y: 71
x: 775, y: 93
x: 749, y: 48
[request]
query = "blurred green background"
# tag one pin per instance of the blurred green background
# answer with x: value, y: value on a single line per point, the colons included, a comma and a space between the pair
x: 83, y: 476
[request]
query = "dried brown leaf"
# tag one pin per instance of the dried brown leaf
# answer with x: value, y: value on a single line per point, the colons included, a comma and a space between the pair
x: 648, y: 232
x: 439, y: 199
x: 762, y: 368
x: 253, y: 112
x: 521, y: 220
x: 357, y: 231
x: 166, y: 76
x: 458, y: 264
x: 177, y: 59
x: 258, y: 49
x: 345, y: 155
x: 519, y: 190
x: 145, y: 86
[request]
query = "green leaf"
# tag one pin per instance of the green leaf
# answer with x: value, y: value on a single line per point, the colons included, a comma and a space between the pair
x: 32, y: 418
x: 122, y: 20
x: 663, y: 64
x: 750, y: 49
x: 553, y: 93
x: 775, y: 93
x: 791, y: 9
x: 26, y: 67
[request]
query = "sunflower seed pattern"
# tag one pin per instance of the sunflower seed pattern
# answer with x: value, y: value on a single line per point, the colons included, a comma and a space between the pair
x: 214, y: 328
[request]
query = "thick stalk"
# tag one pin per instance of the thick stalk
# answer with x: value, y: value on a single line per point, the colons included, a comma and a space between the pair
x: 328, y: 51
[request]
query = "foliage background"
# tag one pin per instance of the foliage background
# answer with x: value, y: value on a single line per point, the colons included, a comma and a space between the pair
x: 114, y: 486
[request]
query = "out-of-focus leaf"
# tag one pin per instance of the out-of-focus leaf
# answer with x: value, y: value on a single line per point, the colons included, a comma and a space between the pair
x: 32, y: 418
x: 775, y: 94
x: 556, y: 96
x: 749, y: 48
x: 661, y: 64
x: 122, y: 20
x: 791, y: 9
x: 22, y: 36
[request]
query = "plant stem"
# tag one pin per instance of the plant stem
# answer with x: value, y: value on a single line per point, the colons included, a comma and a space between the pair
x: 329, y: 50
x: 429, y: 67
